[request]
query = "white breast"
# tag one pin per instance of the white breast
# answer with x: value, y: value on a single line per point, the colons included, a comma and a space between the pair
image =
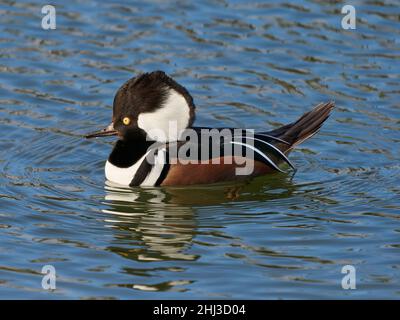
x: 124, y: 176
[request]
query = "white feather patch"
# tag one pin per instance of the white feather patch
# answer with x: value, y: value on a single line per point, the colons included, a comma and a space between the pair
x: 167, y: 122
x: 122, y: 176
x: 152, y: 177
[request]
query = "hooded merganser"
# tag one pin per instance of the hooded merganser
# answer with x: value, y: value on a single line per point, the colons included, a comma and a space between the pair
x: 143, y: 110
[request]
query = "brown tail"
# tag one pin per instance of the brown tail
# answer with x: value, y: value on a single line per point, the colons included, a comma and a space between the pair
x: 304, y: 128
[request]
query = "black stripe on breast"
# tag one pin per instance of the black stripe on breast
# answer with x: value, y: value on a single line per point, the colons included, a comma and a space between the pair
x: 164, y: 171
x: 163, y: 174
x: 143, y: 170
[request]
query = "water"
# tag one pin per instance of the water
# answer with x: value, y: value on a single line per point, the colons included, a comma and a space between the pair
x: 256, y: 65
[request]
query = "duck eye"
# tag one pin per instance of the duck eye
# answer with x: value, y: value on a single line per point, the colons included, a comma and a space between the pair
x: 126, y: 121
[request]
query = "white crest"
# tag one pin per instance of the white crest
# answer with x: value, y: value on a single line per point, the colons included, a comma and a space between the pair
x: 167, y: 122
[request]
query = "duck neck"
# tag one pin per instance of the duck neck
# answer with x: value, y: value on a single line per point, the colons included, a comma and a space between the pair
x: 127, y: 152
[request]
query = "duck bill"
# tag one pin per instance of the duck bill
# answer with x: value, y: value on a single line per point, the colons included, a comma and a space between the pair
x: 109, y: 131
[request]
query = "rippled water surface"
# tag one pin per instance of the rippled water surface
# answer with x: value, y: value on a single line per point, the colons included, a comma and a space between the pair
x: 247, y: 64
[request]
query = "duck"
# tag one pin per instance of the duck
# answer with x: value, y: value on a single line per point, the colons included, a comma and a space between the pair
x: 158, y: 145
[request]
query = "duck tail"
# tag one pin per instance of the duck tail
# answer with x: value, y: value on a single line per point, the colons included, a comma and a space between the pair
x: 305, y: 127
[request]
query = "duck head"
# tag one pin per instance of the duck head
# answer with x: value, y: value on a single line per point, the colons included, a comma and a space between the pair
x: 151, y: 106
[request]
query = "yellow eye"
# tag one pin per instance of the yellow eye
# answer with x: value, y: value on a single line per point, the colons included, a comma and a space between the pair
x: 126, y: 121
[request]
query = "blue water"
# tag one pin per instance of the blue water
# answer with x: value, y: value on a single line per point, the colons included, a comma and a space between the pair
x: 247, y: 64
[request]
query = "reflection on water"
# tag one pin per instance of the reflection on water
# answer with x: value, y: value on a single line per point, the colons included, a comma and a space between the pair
x: 248, y: 64
x: 163, y: 230
x: 162, y: 221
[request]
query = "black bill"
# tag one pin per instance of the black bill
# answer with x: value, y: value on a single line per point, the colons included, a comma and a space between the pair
x: 109, y: 131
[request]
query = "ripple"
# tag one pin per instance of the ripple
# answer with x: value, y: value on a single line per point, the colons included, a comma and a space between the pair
x: 254, y: 65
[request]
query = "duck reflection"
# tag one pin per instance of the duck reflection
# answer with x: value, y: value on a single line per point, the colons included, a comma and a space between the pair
x: 159, y: 224
x: 158, y: 230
